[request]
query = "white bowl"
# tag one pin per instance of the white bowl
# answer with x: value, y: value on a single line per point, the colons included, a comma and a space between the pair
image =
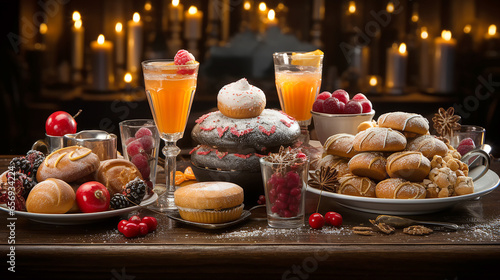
x: 327, y: 125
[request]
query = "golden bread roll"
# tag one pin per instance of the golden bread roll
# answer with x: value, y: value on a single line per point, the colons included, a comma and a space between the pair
x: 116, y: 173
x: 210, y: 202
x: 409, y: 165
x: 428, y: 145
x: 68, y: 164
x: 52, y: 196
x: 340, y: 145
x: 339, y: 163
x: 369, y: 164
x: 397, y: 188
x: 356, y: 186
x: 402, y: 121
x: 379, y: 139
x: 367, y: 124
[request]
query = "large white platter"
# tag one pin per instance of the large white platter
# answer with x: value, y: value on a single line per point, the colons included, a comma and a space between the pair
x: 80, y: 218
x: 482, y: 186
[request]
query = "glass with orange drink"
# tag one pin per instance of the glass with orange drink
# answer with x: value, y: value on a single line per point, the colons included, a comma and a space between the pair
x: 170, y: 90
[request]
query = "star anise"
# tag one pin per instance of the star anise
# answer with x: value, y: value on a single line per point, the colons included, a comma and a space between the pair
x: 445, y: 122
x: 324, y: 178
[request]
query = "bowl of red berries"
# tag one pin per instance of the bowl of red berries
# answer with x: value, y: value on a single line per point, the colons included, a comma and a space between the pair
x: 335, y: 113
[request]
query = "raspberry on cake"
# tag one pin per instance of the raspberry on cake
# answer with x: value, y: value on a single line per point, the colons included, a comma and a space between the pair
x: 240, y: 100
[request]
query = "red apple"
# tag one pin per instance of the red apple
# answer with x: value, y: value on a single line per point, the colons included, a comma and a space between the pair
x: 60, y: 123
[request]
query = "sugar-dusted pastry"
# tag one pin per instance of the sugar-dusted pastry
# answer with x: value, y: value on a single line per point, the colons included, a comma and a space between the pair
x: 357, y: 186
x: 240, y: 100
x: 340, y: 145
x: 428, y: 145
x: 52, y: 196
x: 116, y: 173
x: 464, y: 185
x: 409, y: 165
x: 402, y: 121
x: 397, y: 188
x: 338, y: 163
x: 379, y: 139
x: 369, y: 164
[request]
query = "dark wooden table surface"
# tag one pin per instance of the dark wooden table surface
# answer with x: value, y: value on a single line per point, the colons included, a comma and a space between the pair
x: 252, y: 250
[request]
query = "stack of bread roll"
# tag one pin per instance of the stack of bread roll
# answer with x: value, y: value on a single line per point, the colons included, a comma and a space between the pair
x: 396, y: 158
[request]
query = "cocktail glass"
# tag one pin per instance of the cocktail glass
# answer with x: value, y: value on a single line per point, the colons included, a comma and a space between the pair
x: 170, y: 90
x: 298, y: 81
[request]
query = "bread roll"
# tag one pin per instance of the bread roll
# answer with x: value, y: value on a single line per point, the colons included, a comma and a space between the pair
x: 116, y: 173
x: 68, y: 164
x: 210, y: 202
x: 339, y: 163
x: 369, y: 164
x: 357, y: 186
x: 340, y: 145
x: 52, y: 196
x: 397, y: 188
x: 407, y: 122
x: 379, y: 139
x: 428, y: 145
x: 409, y: 165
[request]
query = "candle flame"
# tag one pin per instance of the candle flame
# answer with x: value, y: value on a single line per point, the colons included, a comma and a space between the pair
x: 352, y: 7
x: 247, y: 6
x: 148, y: 6
x: 100, y: 39
x: 76, y: 16
x: 424, y: 34
x: 467, y: 28
x: 127, y: 78
x: 414, y: 17
x: 192, y: 10
x: 175, y: 3
x: 390, y: 7
x: 262, y: 7
x: 43, y: 28
x: 402, y: 48
x: 492, y: 30
x: 136, y: 17
x: 78, y: 24
x: 118, y: 27
x: 373, y: 81
x: 446, y: 34
x: 271, y: 14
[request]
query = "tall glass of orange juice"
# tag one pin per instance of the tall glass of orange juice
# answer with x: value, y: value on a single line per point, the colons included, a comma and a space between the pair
x: 170, y: 90
x: 298, y: 81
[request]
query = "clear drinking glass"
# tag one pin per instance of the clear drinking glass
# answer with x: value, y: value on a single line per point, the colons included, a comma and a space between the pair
x: 298, y: 81
x: 476, y: 133
x: 170, y: 90
x: 284, y: 186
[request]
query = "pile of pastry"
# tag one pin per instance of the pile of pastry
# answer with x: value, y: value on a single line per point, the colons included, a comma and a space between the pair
x: 396, y: 158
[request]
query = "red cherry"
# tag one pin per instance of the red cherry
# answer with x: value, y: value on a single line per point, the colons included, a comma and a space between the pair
x: 121, y: 224
x: 143, y: 229
x: 333, y: 106
x: 341, y: 95
x: 323, y: 96
x: 359, y: 96
x: 60, y: 123
x: 353, y: 107
x: 130, y: 230
x: 134, y: 219
x: 316, y: 221
x: 151, y: 222
x: 333, y: 218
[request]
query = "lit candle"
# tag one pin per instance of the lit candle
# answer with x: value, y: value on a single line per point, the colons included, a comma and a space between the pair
x: 492, y: 32
x: 374, y: 84
x: 318, y: 10
x: 42, y: 29
x: 176, y: 9
x: 390, y: 7
x: 425, y: 70
x: 271, y: 19
x: 262, y: 16
x: 134, y: 45
x: 352, y: 7
x: 192, y: 23
x: 77, y: 44
x: 102, y: 64
x: 246, y: 17
x: 396, y: 68
x: 444, y: 60
x: 128, y: 80
x: 76, y: 16
x: 120, y: 44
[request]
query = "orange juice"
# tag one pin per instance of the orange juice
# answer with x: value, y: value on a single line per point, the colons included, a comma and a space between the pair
x: 297, y: 91
x: 170, y: 97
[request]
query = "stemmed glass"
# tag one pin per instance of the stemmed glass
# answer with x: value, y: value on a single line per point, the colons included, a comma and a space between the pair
x: 298, y: 80
x: 170, y: 90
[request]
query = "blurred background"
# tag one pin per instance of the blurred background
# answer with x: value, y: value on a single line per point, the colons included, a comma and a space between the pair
x: 404, y: 55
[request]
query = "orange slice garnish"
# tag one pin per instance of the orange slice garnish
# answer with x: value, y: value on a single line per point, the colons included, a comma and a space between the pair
x: 188, y: 172
x: 179, y: 178
x: 307, y: 59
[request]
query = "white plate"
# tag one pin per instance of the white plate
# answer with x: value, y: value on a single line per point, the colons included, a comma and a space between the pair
x: 482, y: 186
x: 80, y: 218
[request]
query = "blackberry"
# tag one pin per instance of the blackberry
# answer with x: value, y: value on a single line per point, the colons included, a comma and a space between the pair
x: 20, y: 164
x: 135, y: 190
x: 118, y: 201
x: 36, y: 158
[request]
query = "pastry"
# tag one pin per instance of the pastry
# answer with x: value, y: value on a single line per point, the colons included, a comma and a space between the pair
x: 213, y: 158
x: 464, y: 185
x: 367, y: 124
x: 68, y: 164
x: 369, y: 164
x: 409, y: 165
x: 379, y: 139
x: 406, y: 122
x: 338, y: 163
x: 397, y: 188
x: 428, y: 145
x: 52, y: 196
x: 240, y: 100
x: 115, y: 174
x: 340, y: 145
x: 357, y: 186
x: 210, y: 202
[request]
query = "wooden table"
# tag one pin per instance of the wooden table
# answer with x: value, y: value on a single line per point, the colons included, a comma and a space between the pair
x: 253, y: 250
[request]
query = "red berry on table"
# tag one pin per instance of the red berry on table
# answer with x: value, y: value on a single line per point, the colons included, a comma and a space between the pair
x: 333, y: 218
x: 353, y: 107
x: 60, y: 123
x: 130, y: 230
x: 366, y: 105
x: 135, y: 147
x: 316, y: 221
x: 121, y: 224
x: 262, y: 199
x: 143, y: 131
x: 143, y: 229
x: 333, y: 106
x: 359, y: 96
x: 341, y: 95
x: 318, y: 106
x: 324, y: 95
x: 151, y: 222
x: 135, y: 219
